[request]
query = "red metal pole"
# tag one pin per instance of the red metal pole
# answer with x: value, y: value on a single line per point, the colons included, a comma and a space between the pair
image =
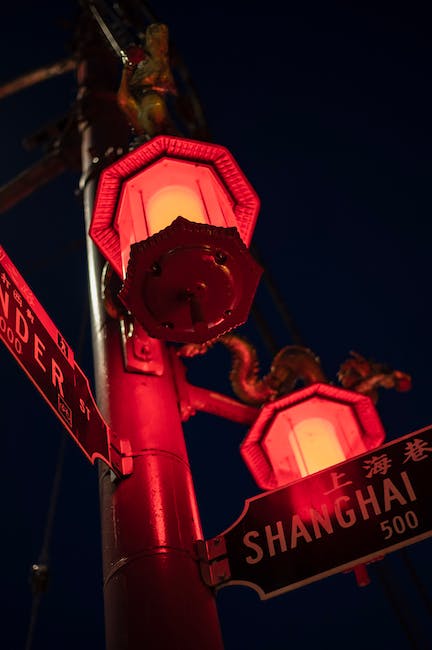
x: 154, y: 595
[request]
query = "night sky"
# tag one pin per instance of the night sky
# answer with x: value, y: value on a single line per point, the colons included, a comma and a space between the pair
x: 327, y: 108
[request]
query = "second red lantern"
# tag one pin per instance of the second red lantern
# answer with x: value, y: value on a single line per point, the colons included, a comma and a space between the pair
x: 307, y: 431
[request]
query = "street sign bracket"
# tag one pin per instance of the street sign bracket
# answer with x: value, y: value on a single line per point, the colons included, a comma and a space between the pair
x: 49, y: 362
x: 195, y: 398
x: 120, y: 452
x: 214, y: 563
x: 333, y: 521
x: 141, y: 353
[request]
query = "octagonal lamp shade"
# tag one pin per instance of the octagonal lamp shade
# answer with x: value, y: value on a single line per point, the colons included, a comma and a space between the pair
x: 135, y: 225
x: 144, y: 191
x: 307, y: 431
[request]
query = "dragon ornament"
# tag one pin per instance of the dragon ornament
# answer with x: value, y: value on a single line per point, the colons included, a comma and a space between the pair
x: 293, y: 367
x: 146, y: 80
x: 366, y: 376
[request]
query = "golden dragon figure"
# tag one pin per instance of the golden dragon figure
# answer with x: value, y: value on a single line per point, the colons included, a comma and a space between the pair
x: 295, y: 366
x: 146, y: 80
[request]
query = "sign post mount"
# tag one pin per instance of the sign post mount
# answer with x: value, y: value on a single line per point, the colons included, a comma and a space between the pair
x: 331, y: 521
x: 48, y: 360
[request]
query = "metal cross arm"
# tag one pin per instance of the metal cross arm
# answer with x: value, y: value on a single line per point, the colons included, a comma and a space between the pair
x: 214, y: 563
x: 30, y: 180
x: 195, y: 398
x: 36, y: 76
x: 63, y: 149
x: 48, y: 360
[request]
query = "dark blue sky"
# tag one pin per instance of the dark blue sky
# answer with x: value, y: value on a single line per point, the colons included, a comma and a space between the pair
x: 327, y: 109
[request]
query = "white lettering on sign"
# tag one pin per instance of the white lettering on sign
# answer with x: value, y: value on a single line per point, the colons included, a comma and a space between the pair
x: 4, y: 300
x: 84, y: 408
x: 10, y: 335
x: 299, y: 531
x: 259, y: 553
x: 321, y: 519
x: 280, y: 536
x: 364, y: 502
x: 57, y: 377
x: 345, y: 518
x: 277, y: 537
x: 21, y: 335
x: 21, y: 326
x: 38, y: 350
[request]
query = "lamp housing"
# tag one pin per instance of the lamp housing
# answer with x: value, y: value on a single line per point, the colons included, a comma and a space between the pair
x: 307, y: 431
x: 175, y: 218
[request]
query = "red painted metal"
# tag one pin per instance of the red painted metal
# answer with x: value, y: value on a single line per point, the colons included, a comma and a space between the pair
x: 49, y: 362
x: 190, y: 282
x: 174, y: 218
x: 154, y: 595
x: 153, y: 590
x: 111, y: 211
x: 309, y: 430
x: 195, y: 398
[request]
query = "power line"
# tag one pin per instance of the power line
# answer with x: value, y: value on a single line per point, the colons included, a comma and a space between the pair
x: 279, y: 302
x: 264, y: 330
x: 40, y: 570
x: 399, y: 609
x: 36, y: 76
x: 419, y: 584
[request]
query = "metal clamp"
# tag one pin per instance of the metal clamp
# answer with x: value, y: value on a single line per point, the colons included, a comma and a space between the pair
x: 120, y: 452
x: 141, y: 352
x: 214, y: 564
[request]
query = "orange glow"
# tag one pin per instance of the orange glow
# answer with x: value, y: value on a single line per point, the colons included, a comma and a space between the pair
x: 167, y: 189
x: 125, y: 188
x: 315, y: 445
x: 311, y: 436
x: 169, y: 202
x: 307, y: 431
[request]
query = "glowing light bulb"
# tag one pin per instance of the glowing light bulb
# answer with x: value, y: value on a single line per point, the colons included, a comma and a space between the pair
x: 315, y: 445
x: 170, y: 202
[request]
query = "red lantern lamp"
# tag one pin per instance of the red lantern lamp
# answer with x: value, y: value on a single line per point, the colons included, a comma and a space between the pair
x: 174, y: 218
x: 309, y: 430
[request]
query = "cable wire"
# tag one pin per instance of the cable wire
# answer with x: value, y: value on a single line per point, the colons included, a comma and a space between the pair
x: 40, y: 574
x: 40, y: 571
x: 264, y: 330
x: 419, y: 584
x: 400, y: 610
x: 278, y: 301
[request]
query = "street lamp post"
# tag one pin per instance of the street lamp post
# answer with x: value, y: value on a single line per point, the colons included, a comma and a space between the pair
x: 153, y: 591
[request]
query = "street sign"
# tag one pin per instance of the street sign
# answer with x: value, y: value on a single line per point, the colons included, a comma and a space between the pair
x: 331, y: 521
x: 48, y: 360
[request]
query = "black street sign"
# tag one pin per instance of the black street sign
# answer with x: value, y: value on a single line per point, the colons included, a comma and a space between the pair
x: 48, y: 360
x: 331, y: 521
